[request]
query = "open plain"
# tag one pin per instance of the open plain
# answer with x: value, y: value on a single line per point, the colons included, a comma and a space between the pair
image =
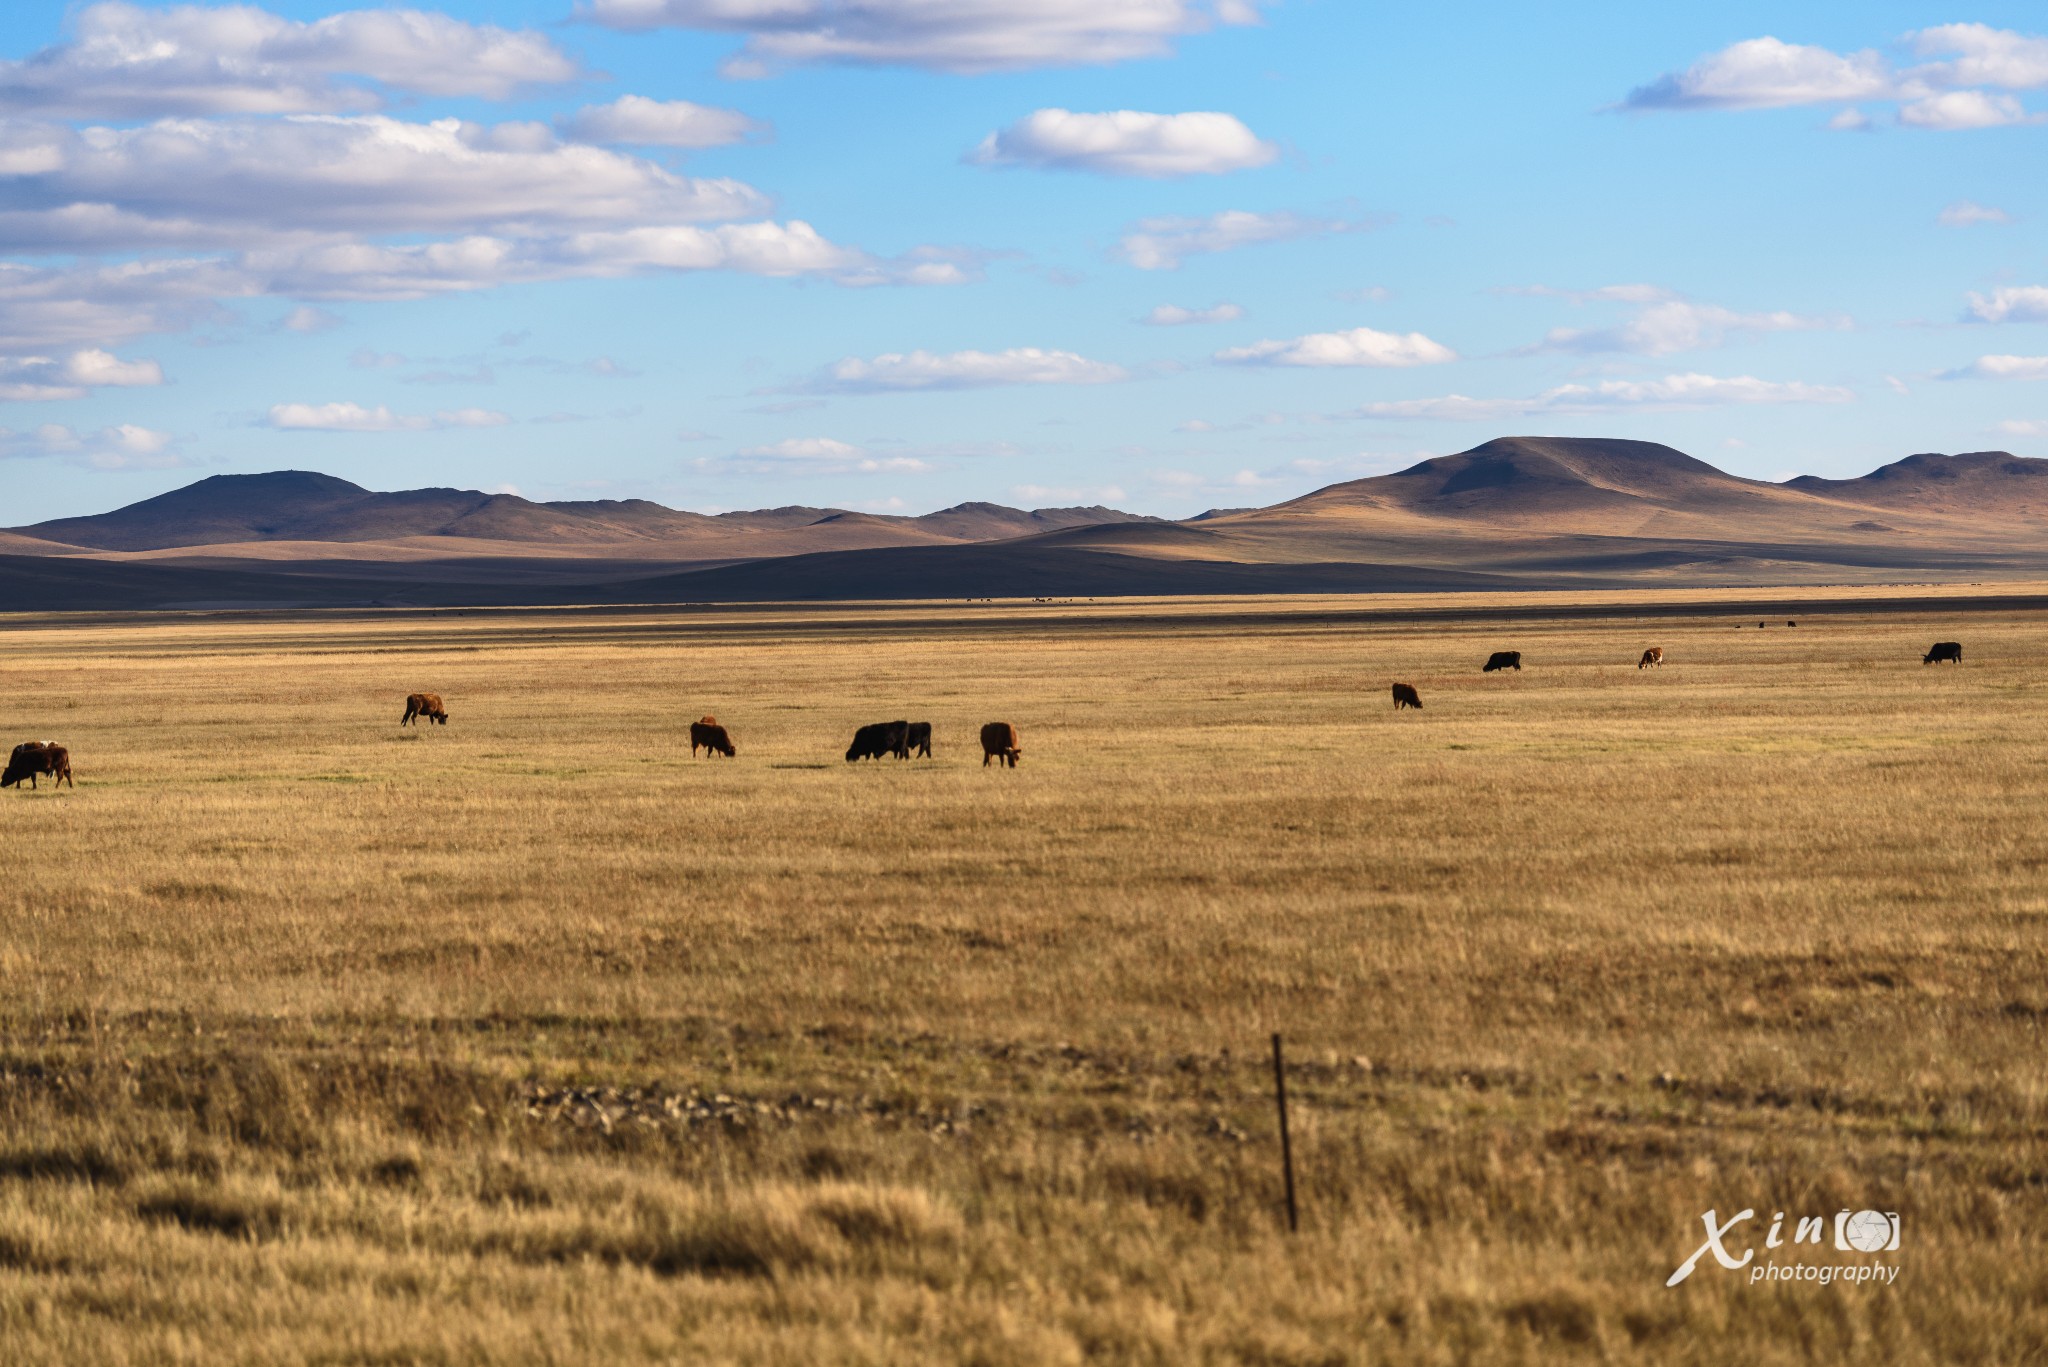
x: 531, y: 1039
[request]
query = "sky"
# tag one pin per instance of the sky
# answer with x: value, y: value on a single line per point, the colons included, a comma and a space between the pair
x: 893, y: 255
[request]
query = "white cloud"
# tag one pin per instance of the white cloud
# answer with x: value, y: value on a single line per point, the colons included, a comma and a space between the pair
x: 1852, y: 121
x: 821, y: 456
x: 1958, y: 110
x: 638, y: 121
x: 2024, y: 428
x: 1127, y: 143
x: 2011, y: 304
x: 1666, y: 323
x: 1044, y: 494
x: 1764, y: 73
x: 946, y: 35
x: 126, y: 62
x: 1173, y: 315
x: 353, y: 417
x: 1358, y: 347
x: 926, y: 370
x: 121, y: 447
x: 246, y: 182
x: 2002, y: 368
x: 32, y: 379
x: 1670, y: 392
x: 1160, y: 244
x: 1989, y: 56
x: 1966, y: 213
x: 306, y: 318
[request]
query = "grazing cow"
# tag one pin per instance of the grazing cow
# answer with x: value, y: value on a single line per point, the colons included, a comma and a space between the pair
x: 1653, y: 656
x: 36, y: 757
x: 709, y: 734
x: 918, y: 739
x: 1406, y: 696
x: 1951, y: 651
x: 1791, y: 624
x: 879, y: 739
x: 999, y: 741
x: 423, y: 705
x: 1503, y: 659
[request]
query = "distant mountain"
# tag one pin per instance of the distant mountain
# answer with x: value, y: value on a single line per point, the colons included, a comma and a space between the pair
x: 302, y: 506
x: 1531, y: 512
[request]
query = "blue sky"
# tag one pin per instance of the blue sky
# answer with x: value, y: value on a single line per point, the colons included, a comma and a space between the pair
x: 882, y: 254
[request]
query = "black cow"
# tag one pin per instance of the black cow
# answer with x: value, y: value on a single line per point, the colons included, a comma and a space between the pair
x: 1952, y: 651
x: 1406, y: 696
x: 918, y: 739
x: 1503, y: 659
x: 881, y: 738
x: 35, y: 757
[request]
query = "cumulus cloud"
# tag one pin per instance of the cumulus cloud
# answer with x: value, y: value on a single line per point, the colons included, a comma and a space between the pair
x: 1964, y: 109
x: 125, y: 62
x: 1669, y: 392
x: 2002, y: 368
x: 1956, y: 92
x: 1966, y: 213
x: 975, y: 36
x: 354, y: 417
x: 33, y: 379
x: 2011, y: 304
x: 1358, y: 347
x: 121, y: 447
x: 1173, y: 315
x: 1764, y: 73
x: 1127, y: 143
x: 926, y: 370
x: 1665, y: 323
x: 1161, y: 244
x: 243, y: 182
x: 635, y: 120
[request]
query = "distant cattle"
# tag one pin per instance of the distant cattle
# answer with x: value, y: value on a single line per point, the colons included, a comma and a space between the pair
x: 1654, y: 656
x: 879, y: 739
x: 712, y: 737
x: 1406, y: 696
x: 918, y: 740
x: 999, y: 742
x: 1791, y: 624
x: 36, y: 757
x: 423, y: 705
x: 1503, y: 659
x: 1951, y: 651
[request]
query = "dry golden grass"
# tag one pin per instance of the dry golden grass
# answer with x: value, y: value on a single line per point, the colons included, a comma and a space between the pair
x: 528, y: 1038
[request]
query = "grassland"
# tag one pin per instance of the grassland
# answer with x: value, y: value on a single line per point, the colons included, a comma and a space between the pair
x: 529, y: 1039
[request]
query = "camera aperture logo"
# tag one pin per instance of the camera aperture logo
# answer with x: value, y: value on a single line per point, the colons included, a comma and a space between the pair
x: 1861, y: 1231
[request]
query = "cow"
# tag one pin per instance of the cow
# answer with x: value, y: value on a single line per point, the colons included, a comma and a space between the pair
x: 918, y: 739
x: 879, y: 739
x: 1503, y: 659
x: 36, y: 757
x: 1951, y: 651
x: 709, y: 734
x: 1654, y: 656
x: 1406, y: 696
x: 999, y: 741
x: 423, y: 705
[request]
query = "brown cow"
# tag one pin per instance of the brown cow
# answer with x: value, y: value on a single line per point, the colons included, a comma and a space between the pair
x: 35, y: 757
x: 709, y: 734
x: 424, y: 705
x: 1406, y: 696
x: 999, y: 741
x: 1653, y: 656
